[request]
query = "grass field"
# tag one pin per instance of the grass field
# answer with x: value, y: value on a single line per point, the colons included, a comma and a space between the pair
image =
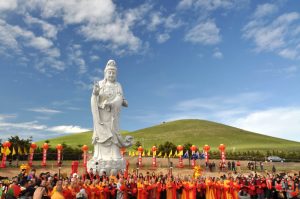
x: 198, y: 132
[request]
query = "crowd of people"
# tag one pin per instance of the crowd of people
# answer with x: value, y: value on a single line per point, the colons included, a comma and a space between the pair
x: 149, y: 185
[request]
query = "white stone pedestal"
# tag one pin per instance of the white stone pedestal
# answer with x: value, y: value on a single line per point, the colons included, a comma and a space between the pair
x: 111, y: 167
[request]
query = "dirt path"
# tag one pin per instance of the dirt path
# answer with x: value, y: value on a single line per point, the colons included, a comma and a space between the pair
x: 162, y: 166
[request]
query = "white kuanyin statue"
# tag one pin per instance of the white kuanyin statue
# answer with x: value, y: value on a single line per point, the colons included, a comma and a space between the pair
x: 106, y: 102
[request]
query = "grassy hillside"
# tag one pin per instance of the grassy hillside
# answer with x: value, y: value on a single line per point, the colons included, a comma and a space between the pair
x: 73, y: 140
x: 198, y: 132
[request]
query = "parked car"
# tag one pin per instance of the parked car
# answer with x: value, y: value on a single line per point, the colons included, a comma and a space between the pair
x: 275, y: 159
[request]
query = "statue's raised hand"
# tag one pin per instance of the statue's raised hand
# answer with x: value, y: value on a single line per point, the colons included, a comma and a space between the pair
x: 96, y: 89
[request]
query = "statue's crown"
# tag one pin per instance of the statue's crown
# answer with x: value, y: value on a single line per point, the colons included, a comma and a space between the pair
x: 111, y: 64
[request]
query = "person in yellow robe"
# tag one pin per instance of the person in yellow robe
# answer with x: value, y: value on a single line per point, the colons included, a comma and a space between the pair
x: 189, y: 189
x: 171, y: 189
x: 209, y: 188
x: 95, y: 192
x: 101, y: 190
x: 228, y: 189
x: 57, y: 192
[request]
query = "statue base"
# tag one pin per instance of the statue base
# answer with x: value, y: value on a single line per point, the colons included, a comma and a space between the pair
x: 111, y: 167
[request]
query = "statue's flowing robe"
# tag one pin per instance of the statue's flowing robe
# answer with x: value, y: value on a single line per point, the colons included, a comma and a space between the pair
x: 106, y: 137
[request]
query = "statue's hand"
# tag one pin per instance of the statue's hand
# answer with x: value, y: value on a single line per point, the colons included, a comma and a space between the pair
x: 96, y: 89
x: 129, y: 140
x: 124, y: 103
x: 107, y: 106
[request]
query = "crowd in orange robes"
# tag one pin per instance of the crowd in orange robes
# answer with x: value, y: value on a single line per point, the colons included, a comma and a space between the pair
x: 150, y: 186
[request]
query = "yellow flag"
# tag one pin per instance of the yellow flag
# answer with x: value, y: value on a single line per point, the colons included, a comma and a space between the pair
x: 159, y: 154
x: 175, y: 155
x: 20, y: 151
x: 2, y: 150
x: 166, y: 155
x: 180, y: 153
x: 13, y: 152
x: 25, y: 151
x: 149, y: 153
x: 136, y: 153
x: 170, y: 154
x: 143, y: 154
x: 154, y: 153
x: 7, y: 152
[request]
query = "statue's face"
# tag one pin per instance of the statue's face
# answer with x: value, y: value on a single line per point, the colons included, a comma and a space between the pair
x: 111, y: 75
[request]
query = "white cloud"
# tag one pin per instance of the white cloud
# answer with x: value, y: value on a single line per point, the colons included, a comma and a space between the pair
x: 40, y: 43
x: 288, y: 53
x: 220, y: 103
x: 169, y: 22
x: 7, y: 36
x: 98, y: 20
x: 8, y: 5
x: 217, y: 54
x: 26, y: 37
x: 49, y: 30
x: 204, y: 33
x: 265, y: 10
x: 74, y: 11
x: 83, y: 85
x: 94, y: 57
x: 76, y: 58
x: 283, y: 71
x: 7, y: 116
x: 44, y: 110
x: 241, y: 111
x: 155, y: 20
x: 118, y: 33
x: 44, y: 62
x: 210, y: 5
x: 161, y: 38
x: 34, y: 125
x: 68, y: 129
x: 18, y: 39
x: 281, y: 122
x: 274, y: 35
x: 35, y: 129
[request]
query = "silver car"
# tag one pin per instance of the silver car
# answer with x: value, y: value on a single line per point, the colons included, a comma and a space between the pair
x: 275, y: 159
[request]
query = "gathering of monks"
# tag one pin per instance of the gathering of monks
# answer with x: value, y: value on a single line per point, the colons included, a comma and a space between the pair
x: 150, y: 185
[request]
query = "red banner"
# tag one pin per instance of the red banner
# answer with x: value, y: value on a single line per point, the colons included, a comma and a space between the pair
x: 30, y: 157
x: 153, y: 149
x: 206, y: 156
x: 44, y: 162
x: 3, y: 163
x: 58, y: 157
x: 140, y: 158
x: 84, y: 158
x: 153, y: 160
x: 180, y: 162
x: 223, y: 158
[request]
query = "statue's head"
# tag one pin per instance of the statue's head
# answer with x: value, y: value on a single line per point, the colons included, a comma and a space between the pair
x: 110, y: 71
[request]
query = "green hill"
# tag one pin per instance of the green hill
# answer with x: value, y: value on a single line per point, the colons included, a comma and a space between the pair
x: 198, y: 132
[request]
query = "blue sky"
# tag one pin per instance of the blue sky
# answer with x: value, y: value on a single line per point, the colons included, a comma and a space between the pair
x: 230, y: 61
